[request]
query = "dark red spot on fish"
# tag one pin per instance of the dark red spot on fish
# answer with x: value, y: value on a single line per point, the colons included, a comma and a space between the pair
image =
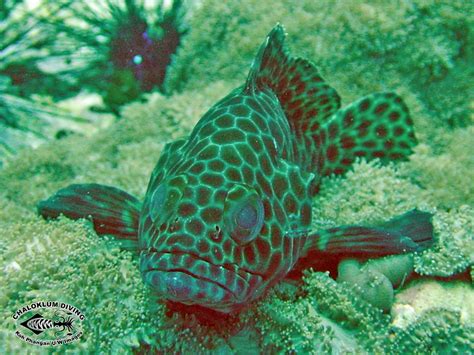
x: 348, y: 119
x: 378, y: 154
x: 315, y: 126
x: 237, y: 255
x: 306, y: 214
x: 364, y: 105
x: 229, y: 154
x: 217, y: 255
x: 225, y: 121
x: 249, y: 254
x: 282, y: 84
x: 203, y: 196
x: 195, y: 227
x: 323, y: 100
x: 274, y: 262
x: 240, y: 111
x: 220, y: 195
x: 398, y: 131
x: 297, y: 114
x: 203, y: 246
x: 394, y: 116
x: 227, y: 247
x: 347, y: 142
x: 369, y: 144
x: 364, y: 125
x: 338, y: 171
x: 360, y: 153
x: 294, y: 104
x: 380, y: 109
x: 216, y: 165
x: 228, y: 136
x: 197, y: 168
x: 286, y: 97
x: 332, y: 153
x: 247, y: 173
x: 295, y: 80
x: 381, y: 131
x: 300, y: 88
x: 396, y: 156
x: 186, y: 209
x: 263, y: 248
x: 286, y: 246
x: 247, y: 154
x: 290, y: 204
x: 212, y: 179
x: 211, y: 215
x: 207, y: 153
x: 388, y: 144
x: 246, y: 125
x: 304, y: 126
x: 232, y: 174
x: 280, y: 215
x: 346, y: 161
x: 276, y: 237
x: 265, y: 165
x: 255, y: 143
x: 188, y: 263
x: 262, y: 181
x: 333, y: 130
x: 280, y: 184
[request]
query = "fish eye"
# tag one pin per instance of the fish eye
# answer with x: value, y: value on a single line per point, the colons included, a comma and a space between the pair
x: 243, y: 214
x: 165, y: 198
x: 247, y: 217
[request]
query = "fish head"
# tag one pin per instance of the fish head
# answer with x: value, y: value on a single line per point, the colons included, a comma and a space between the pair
x: 193, y: 239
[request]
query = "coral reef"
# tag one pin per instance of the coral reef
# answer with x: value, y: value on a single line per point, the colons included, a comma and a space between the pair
x: 416, y: 48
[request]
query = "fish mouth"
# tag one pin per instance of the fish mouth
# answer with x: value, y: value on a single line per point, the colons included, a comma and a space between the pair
x: 188, y: 278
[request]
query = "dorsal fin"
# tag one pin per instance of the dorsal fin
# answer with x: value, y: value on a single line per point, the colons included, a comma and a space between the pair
x: 304, y: 96
x: 375, y: 126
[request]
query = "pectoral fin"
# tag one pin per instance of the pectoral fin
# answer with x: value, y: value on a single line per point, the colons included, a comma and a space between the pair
x: 406, y: 233
x: 111, y: 210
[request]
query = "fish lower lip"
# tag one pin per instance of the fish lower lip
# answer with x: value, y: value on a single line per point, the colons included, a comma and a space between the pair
x: 187, y: 278
x: 186, y: 288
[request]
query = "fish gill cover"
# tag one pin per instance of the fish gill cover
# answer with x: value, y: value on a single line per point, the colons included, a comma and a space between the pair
x: 419, y: 49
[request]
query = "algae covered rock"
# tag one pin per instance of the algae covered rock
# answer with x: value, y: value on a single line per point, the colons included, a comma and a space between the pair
x: 412, y: 48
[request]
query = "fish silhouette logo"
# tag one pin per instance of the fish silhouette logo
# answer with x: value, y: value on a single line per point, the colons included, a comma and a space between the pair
x: 48, y: 323
x: 38, y: 324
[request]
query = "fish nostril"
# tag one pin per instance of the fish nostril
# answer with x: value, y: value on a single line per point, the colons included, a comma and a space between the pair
x: 217, y: 235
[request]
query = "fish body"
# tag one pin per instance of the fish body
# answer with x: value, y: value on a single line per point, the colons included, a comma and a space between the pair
x: 227, y: 212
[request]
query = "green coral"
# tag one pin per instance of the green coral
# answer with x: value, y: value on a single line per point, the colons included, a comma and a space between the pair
x: 454, y: 250
x: 80, y: 269
x: 438, y: 331
x: 296, y: 326
x: 415, y: 47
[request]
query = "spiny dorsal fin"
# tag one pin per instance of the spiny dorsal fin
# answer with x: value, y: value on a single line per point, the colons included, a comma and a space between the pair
x: 375, y: 126
x: 304, y: 96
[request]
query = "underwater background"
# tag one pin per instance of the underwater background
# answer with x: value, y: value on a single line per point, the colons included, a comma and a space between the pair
x: 92, y: 91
